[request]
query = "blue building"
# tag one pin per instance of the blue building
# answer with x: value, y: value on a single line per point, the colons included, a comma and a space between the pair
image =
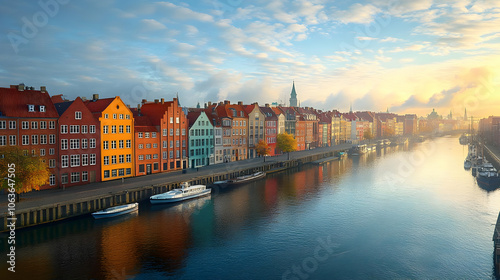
x: 201, y: 139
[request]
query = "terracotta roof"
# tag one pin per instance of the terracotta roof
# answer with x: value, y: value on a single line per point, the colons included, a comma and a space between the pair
x: 155, y: 111
x: 277, y: 110
x: 143, y: 124
x: 14, y: 103
x: 192, y: 117
x: 97, y: 106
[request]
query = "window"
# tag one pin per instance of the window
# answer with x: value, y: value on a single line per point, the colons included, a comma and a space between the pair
x: 105, y: 129
x: 52, y: 125
x: 84, y: 143
x: 113, y: 144
x: 164, y: 155
x: 64, y: 161
x: 64, y: 144
x: 113, y: 159
x: 128, y: 171
x: 146, y: 135
x: 171, y: 120
x: 42, y: 152
x: 12, y: 140
x: 164, y: 132
x: 140, y: 135
x: 84, y: 129
x: 177, y: 143
x: 105, y: 145
x: 75, y: 160
x: 12, y: 124
x: 52, y: 163
x: 113, y: 129
x: 3, y: 124
x: 141, y: 168
x: 171, y: 143
x: 120, y: 130
x: 74, y: 144
x: 92, y: 143
x: 177, y: 154
x: 106, y: 173
x: 75, y: 177
x: 121, y: 172
x: 177, y: 132
x: 33, y: 152
x: 52, y: 139
x: 106, y: 160
x: 85, y: 176
x: 184, y: 143
x: 128, y: 128
x: 25, y: 125
x: 85, y: 159
x: 127, y: 117
x: 171, y: 132
x: 121, y: 116
x: 155, y: 145
x: 129, y: 158
x: 43, y: 139
x: 78, y: 115
x: 74, y: 129
x: 141, y: 157
x: 64, y: 178
x: 52, y: 179
x: 183, y: 131
x: 114, y: 116
x: 92, y: 159
x: 148, y: 146
x: 52, y: 151
x: 121, y: 159
x: 92, y: 129
x: 3, y: 140
x: 26, y: 140
x: 120, y: 144
x: 106, y: 116
x: 153, y: 134
x: 64, y: 129
x: 148, y: 156
x: 171, y: 154
x: 155, y: 156
x: 141, y: 146
x: 165, y: 144
x: 42, y: 108
x: 31, y: 108
x: 128, y: 144
x: 177, y: 120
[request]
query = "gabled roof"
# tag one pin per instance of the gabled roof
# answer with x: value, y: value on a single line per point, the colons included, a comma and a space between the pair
x: 155, y: 111
x: 62, y: 107
x: 142, y: 123
x: 366, y: 116
x: 192, y: 117
x: 269, y: 113
x: 99, y: 105
x: 14, y: 103
x: 349, y: 116
x: 277, y: 110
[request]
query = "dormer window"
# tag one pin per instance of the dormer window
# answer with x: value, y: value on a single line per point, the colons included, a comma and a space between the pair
x: 42, y: 108
x: 78, y: 115
x: 31, y: 108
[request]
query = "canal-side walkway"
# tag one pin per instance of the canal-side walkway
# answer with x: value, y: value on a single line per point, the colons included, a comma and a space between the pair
x: 40, y: 199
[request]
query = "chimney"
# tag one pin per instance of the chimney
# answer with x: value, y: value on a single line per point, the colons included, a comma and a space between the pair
x: 163, y: 101
x: 156, y: 101
x: 221, y: 103
x: 43, y: 89
x: 205, y: 105
x: 20, y: 87
x: 95, y: 97
x: 144, y: 101
x: 138, y: 107
x: 267, y: 105
x: 209, y: 103
x: 227, y: 102
x: 240, y: 103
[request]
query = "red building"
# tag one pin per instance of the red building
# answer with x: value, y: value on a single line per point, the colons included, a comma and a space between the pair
x: 147, y: 145
x: 171, y: 121
x: 79, y: 144
x: 28, y: 120
x: 300, y: 133
x: 271, y: 128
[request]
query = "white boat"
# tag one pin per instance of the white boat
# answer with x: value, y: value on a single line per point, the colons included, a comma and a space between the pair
x: 116, y: 211
x: 185, y: 192
x: 241, y: 179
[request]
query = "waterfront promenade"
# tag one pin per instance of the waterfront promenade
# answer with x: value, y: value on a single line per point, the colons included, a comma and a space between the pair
x: 39, y: 199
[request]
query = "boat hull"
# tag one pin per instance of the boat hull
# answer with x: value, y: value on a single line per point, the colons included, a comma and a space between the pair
x: 178, y: 199
x: 488, y: 182
x: 103, y: 214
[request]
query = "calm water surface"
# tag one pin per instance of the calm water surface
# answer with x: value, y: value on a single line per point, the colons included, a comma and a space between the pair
x: 405, y: 212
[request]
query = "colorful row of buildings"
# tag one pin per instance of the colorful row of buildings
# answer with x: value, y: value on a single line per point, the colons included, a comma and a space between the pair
x: 99, y: 139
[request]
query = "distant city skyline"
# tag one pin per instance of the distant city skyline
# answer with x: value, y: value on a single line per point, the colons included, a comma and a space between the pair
x: 408, y: 56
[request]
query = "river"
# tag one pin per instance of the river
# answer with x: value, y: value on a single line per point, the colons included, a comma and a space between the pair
x: 408, y: 212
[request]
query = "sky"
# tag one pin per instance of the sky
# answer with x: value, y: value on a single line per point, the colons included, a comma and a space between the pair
x: 402, y: 56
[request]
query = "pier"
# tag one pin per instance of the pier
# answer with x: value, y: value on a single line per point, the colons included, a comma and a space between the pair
x: 54, y: 205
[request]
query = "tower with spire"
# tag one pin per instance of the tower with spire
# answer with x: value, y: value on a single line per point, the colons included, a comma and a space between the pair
x: 465, y: 115
x: 293, y: 96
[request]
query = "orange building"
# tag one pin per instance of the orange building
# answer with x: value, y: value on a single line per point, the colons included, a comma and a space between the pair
x: 172, y: 124
x: 117, y: 137
x: 147, y: 145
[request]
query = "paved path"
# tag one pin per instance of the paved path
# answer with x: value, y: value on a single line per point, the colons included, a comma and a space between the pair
x: 55, y: 196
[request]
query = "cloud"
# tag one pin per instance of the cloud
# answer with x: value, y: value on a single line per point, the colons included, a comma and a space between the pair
x: 152, y: 25
x: 357, y: 13
x: 182, y: 13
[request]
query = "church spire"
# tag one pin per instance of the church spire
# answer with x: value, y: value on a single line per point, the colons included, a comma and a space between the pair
x: 350, y: 109
x: 293, y: 96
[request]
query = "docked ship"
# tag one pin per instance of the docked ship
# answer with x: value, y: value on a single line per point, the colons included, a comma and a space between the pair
x: 241, y: 179
x: 357, y: 150
x: 185, y: 192
x: 116, y: 211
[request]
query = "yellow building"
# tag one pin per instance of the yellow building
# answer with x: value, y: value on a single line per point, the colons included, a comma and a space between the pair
x: 116, y: 137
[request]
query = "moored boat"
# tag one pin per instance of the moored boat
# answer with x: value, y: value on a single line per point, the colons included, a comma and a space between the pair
x: 185, y: 192
x: 488, y: 179
x: 241, y: 179
x: 116, y: 211
x: 357, y: 150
